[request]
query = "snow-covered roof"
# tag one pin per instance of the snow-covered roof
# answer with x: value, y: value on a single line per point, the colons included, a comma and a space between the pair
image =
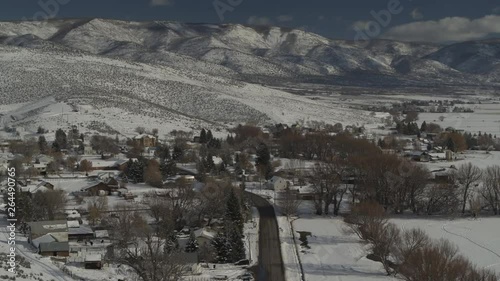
x: 93, y: 258
x: 138, y: 137
x: 73, y: 224
x: 81, y: 230
x: 47, y: 238
x: 101, y: 234
x: 44, y: 227
x: 217, y: 160
x: 203, y: 232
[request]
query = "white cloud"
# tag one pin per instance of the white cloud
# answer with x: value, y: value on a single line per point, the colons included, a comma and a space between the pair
x: 161, y: 2
x: 360, y: 25
x: 255, y: 20
x: 285, y: 18
x: 416, y: 14
x: 321, y: 18
x: 496, y: 10
x: 446, y: 29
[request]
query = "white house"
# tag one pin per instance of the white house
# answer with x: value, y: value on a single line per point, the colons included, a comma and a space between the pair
x: 277, y: 184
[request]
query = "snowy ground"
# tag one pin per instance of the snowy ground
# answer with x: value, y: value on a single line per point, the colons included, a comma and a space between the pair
x: 334, y: 255
x: 40, y: 268
x: 289, y: 251
x: 477, y: 239
x: 478, y: 158
x: 485, y: 119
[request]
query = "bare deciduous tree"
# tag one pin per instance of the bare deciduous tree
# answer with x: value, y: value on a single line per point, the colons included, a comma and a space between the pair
x: 96, y: 206
x: 467, y: 176
x: 491, y: 188
x: 328, y: 186
x: 49, y: 204
x: 146, y: 253
x: 289, y: 203
x: 85, y: 166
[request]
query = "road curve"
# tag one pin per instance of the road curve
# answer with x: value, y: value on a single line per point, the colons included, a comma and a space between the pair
x: 270, y: 266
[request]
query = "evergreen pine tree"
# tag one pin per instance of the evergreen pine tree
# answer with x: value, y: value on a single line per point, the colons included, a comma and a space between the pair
x: 222, y: 247
x: 209, y: 136
x: 42, y: 145
x: 167, y: 168
x: 192, y: 244
x: 235, y: 240
x: 203, y: 136
x: 171, y: 243
x: 233, y: 211
x: 177, y: 153
x: 61, y: 140
x: 209, y: 163
x: 263, y: 161
x: 451, y: 145
x: 423, y: 128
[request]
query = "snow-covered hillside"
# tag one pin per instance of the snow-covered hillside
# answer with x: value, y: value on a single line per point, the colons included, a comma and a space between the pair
x: 230, y: 49
x: 198, y: 75
x: 123, y: 94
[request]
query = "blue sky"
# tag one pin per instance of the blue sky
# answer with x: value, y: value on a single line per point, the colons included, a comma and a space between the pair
x: 412, y: 20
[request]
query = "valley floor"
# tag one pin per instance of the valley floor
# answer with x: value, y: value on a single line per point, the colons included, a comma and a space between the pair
x: 336, y: 255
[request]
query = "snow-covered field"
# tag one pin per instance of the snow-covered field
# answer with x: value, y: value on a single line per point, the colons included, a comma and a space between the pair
x: 335, y: 255
x: 484, y: 119
x: 480, y: 159
x: 477, y: 239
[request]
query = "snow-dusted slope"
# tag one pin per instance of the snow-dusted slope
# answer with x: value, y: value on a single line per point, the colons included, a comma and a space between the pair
x: 475, y: 57
x: 191, y: 75
x: 231, y: 49
x: 97, y: 88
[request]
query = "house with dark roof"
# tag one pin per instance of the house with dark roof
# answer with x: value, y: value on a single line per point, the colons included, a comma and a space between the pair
x: 40, y: 228
x: 97, y: 189
x: 50, y: 238
x: 54, y: 249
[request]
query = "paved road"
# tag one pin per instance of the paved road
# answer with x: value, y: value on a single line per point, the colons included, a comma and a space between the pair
x: 270, y: 266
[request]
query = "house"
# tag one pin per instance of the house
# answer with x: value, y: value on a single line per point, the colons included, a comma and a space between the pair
x: 98, y: 189
x: 88, y: 150
x: 107, y: 165
x: 419, y: 156
x: 93, y: 261
x: 277, y: 184
x: 204, y: 236
x: 446, y: 155
x: 41, y: 168
x: 55, y: 249
x: 444, y: 175
x: 41, y: 228
x: 145, y: 140
x: 129, y: 196
x: 101, y: 234
x: 49, y: 237
x: 72, y: 215
x: 80, y: 233
x: 33, y: 188
x: 112, y: 183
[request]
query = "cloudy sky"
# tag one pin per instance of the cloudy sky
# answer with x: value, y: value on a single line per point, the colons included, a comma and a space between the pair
x: 410, y: 20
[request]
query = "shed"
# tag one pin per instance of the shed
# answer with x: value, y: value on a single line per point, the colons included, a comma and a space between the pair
x: 93, y: 261
x: 277, y: 184
x: 56, y: 249
x: 97, y: 189
x: 80, y: 233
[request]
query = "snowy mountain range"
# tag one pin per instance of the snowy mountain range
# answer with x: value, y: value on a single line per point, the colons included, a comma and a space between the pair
x: 204, y: 73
